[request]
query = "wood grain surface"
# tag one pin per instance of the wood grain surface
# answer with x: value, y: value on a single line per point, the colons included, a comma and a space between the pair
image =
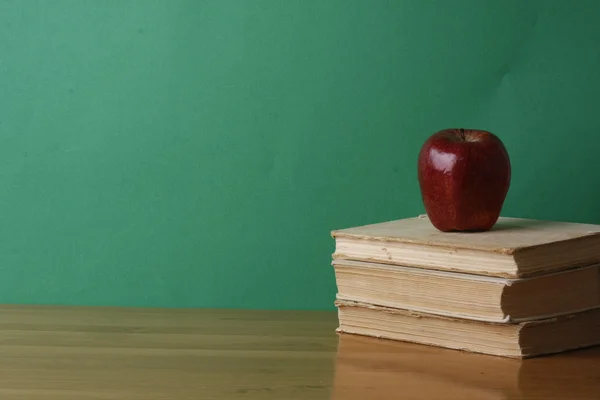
x: 52, y: 353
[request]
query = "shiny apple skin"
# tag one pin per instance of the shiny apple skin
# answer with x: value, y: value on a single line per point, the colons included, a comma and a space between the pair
x: 464, y: 177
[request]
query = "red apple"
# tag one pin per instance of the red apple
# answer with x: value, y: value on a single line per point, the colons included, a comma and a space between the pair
x: 464, y: 176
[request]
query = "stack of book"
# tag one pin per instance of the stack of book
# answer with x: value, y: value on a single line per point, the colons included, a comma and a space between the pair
x: 525, y: 288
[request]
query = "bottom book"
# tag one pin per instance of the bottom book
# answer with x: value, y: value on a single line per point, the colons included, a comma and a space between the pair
x: 518, y: 340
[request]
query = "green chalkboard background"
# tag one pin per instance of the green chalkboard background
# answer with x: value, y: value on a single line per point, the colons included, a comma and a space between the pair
x: 198, y: 153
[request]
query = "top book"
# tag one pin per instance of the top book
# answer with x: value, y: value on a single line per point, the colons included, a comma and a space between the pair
x: 513, y: 248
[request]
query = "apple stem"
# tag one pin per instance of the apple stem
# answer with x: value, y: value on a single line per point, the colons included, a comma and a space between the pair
x: 462, y: 133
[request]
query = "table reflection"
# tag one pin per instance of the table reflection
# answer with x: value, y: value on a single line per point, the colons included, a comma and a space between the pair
x: 369, y: 368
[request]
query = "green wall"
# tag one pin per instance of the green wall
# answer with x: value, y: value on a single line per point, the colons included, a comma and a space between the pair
x: 198, y: 153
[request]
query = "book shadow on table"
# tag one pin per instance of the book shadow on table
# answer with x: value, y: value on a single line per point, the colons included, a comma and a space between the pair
x: 370, y: 368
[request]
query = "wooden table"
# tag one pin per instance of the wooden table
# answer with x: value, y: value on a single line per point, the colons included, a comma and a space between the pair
x: 50, y: 353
